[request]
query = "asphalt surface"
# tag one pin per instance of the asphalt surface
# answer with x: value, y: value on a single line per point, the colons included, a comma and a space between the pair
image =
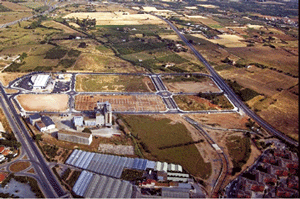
x: 230, y: 94
x: 48, y: 181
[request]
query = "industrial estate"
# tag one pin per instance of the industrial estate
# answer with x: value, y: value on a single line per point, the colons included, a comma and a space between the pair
x: 149, y: 99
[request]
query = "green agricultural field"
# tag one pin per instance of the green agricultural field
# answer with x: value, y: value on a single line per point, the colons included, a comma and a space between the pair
x: 122, y: 83
x: 153, y: 134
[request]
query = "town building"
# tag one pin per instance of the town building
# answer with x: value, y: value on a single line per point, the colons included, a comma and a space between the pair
x: 40, y: 81
x: 78, y: 122
x: 2, y: 130
x: 40, y: 126
x: 103, y: 114
x: 3, y: 176
x: 76, y: 137
x: 102, y: 117
x: 41, y: 123
x: 48, y: 123
x: 2, y: 157
x: 34, y: 118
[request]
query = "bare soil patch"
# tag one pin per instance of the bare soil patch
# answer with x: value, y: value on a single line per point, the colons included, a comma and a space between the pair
x: 121, y: 102
x: 230, y: 41
x: 194, y: 103
x: 227, y: 120
x: 102, y: 63
x: 117, y: 18
x: 207, y: 6
x: 57, y: 25
x: 114, y: 83
x: 280, y: 59
x: 283, y: 113
x: 19, y: 166
x: 54, y: 102
x: 7, y: 17
x: 192, y: 87
x: 15, y: 6
x: 11, y: 91
x: 5, y: 78
x: 263, y: 81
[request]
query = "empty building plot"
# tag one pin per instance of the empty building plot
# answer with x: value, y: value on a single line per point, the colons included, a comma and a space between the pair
x: 91, y: 185
x: 113, y: 166
x: 121, y: 103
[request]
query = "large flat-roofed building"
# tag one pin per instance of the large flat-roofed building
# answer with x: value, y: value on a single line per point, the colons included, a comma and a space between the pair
x: 40, y: 81
x: 76, y: 137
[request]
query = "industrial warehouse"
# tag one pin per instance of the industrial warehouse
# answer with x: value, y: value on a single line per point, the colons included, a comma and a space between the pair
x: 102, y: 174
x: 113, y: 166
x: 40, y: 81
x: 91, y: 185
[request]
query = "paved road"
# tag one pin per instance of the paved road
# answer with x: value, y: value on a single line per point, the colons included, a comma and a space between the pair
x: 230, y: 94
x: 49, y: 183
x: 219, y: 183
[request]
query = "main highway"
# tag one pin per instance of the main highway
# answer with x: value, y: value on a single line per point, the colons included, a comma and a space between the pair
x: 48, y: 182
x: 229, y: 92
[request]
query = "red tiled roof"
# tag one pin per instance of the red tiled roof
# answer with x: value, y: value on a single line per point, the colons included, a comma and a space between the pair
x: 2, y: 177
x: 1, y: 149
x: 6, y: 152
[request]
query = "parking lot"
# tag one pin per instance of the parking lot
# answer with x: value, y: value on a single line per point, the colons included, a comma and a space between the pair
x: 61, y: 87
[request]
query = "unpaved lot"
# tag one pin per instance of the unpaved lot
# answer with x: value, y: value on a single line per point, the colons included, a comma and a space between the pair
x: 117, y: 18
x: 192, y: 87
x: 230, y: 41
x: 54, y: 102
x: 57, y: 25
x: 121, y: 102
x: 15, y: 6
x: 5, y: 78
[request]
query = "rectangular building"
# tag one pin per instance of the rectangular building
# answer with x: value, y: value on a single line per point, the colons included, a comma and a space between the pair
x: 40, y: 81
x: 76, y: 137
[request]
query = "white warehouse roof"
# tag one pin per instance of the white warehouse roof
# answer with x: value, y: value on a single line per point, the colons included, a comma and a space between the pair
x: 40, y: 80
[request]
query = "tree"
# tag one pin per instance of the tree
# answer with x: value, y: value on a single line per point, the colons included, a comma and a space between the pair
x: 82, y: 45
x: 87, y: 130
x: 37, y: 137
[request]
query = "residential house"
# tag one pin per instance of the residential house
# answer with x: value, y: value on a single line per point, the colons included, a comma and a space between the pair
x: 2, y: 158
x: 3, y: 176
x: 265, y: 178
x: 278, y: 171
x: 2, y: 148
x: 286, y: 193
x: 287, y: 163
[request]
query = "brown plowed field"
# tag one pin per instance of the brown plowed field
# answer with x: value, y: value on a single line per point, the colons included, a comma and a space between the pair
x: 121, y: 102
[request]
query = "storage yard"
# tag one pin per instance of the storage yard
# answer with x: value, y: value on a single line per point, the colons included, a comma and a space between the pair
x: 91, y: 185
x: 136, y: 103
x: 113, y: 166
